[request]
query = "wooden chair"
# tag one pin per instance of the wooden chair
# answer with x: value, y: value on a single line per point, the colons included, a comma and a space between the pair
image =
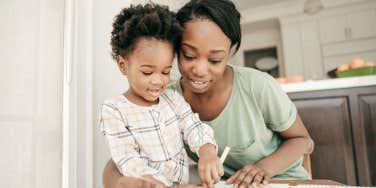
x: 307, y: 158
x: 307, y: 163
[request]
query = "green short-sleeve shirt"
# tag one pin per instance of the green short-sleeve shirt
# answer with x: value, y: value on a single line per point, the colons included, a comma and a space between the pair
x: 249, y: 124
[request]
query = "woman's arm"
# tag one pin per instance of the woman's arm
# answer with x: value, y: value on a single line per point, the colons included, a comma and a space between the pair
x: 297, y: 142
x: 113, y: 179
x: 110, y: 175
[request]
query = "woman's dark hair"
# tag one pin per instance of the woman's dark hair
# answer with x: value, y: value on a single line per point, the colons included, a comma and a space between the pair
x: 221, y: 12
x: 139, y: 21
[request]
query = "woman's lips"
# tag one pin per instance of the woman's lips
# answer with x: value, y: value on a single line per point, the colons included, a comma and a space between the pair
x: 198, y: 84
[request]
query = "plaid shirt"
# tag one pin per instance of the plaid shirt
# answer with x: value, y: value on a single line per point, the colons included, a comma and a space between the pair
x: 148, y: 140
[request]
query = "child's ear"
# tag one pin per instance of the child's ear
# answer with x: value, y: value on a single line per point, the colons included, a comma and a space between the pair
x: 122, y: 64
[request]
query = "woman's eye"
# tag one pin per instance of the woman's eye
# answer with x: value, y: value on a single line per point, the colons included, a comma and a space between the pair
x: 147, y: 73
x: 188, y: 57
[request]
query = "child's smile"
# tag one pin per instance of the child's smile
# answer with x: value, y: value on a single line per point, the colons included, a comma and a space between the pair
x: 148, y: 69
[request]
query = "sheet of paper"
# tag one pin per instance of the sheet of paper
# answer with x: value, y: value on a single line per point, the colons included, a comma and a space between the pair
x: 222, y: 184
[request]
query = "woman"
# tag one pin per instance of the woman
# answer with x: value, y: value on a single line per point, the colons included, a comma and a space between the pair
x: 246, y: 108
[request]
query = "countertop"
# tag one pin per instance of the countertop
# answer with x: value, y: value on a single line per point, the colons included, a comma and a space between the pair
x: 336, y: 83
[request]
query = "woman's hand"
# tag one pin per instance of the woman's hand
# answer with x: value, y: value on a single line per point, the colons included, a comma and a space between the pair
x: 249, y: 175
x: 210, y: 168
x: 186, y: 186
x: 130, y: 182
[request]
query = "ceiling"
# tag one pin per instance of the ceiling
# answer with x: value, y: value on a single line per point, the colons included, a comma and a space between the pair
x: 244, y: 4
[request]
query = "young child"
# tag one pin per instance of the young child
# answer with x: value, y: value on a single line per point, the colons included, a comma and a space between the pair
x: 145, y: 126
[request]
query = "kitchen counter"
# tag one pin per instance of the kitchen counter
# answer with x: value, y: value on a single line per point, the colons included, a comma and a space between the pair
x: 336, y: 83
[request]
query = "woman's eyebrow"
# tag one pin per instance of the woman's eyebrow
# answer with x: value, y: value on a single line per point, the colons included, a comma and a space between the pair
x: 217, y: 51
x: 211, y: 51
x: 189, y: 46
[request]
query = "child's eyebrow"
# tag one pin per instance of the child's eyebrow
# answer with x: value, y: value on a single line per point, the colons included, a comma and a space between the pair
x: 151, y: 66
x: 147, y: 66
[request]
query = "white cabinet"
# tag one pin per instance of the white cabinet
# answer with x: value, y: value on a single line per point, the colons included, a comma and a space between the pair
x: 347, y: 36
x: 292, y: 49
x: 348, y: 26
x: 316, y: 44
x: 313, y: 68
x: 333, y: 29
x: 301, y: 49
x: 362, y: 24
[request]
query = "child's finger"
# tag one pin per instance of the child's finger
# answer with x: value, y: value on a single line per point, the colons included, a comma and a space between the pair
x: 201, y: 174
x: 220, y: 169
x: 214, y: 174
x: 208, y: 177
x: 266, y: 180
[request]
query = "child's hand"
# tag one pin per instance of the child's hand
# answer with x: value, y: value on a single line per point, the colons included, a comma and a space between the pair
x: 210, y: 168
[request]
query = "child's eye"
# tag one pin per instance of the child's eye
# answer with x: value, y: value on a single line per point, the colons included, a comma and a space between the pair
x: 215, y: 61
x: 147, y: 73
x: 166, y: 73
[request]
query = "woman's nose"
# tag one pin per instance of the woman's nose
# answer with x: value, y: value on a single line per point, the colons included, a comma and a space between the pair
x: 200, y: 68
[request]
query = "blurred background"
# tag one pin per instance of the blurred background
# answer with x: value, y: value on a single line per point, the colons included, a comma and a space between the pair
x: 56, y: 70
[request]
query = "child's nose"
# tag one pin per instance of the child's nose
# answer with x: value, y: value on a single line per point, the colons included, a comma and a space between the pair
x: 156, y: 79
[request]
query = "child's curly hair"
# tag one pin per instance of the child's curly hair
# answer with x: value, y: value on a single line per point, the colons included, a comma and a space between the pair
x: 150, y: 21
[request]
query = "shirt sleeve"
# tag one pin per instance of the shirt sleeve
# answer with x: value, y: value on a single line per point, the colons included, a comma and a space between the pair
x: 278, y: 110
x: 123, y: 148
x: 195, y: 132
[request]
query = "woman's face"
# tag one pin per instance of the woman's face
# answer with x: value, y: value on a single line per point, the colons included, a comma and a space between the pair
x: 203, y: 55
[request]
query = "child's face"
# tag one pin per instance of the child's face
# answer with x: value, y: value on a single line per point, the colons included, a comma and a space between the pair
x: 148, y: 69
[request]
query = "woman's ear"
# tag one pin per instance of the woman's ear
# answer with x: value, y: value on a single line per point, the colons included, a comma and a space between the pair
x: 122, y: 64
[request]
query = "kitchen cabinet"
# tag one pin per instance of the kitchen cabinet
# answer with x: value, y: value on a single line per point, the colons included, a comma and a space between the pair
x: 342, y: 122
x: 333, y: 29
x: 301, y: 49
x: 292, y: 49
x: 347, y: 36
x: 348, y: 26
x: 316, y: 44
x: 367, y: 119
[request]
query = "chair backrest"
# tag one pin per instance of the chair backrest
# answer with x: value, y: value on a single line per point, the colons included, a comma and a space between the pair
x: 307, y: 163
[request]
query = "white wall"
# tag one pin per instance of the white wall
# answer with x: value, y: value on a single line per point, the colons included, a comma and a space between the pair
x: 31, y: 86
x: 108, y: 80
x: 258, y: 35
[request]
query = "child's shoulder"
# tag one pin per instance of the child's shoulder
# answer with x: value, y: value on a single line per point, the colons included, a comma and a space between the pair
x: 170, y: 93
x: 114, y: 101
x: 173, y: 95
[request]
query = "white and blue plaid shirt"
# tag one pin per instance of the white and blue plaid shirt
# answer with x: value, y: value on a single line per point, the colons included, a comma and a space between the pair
x: 148, y: 140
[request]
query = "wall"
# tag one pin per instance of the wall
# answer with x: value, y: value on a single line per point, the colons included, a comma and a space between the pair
x: 31, y: 86
x: 258, y: 35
